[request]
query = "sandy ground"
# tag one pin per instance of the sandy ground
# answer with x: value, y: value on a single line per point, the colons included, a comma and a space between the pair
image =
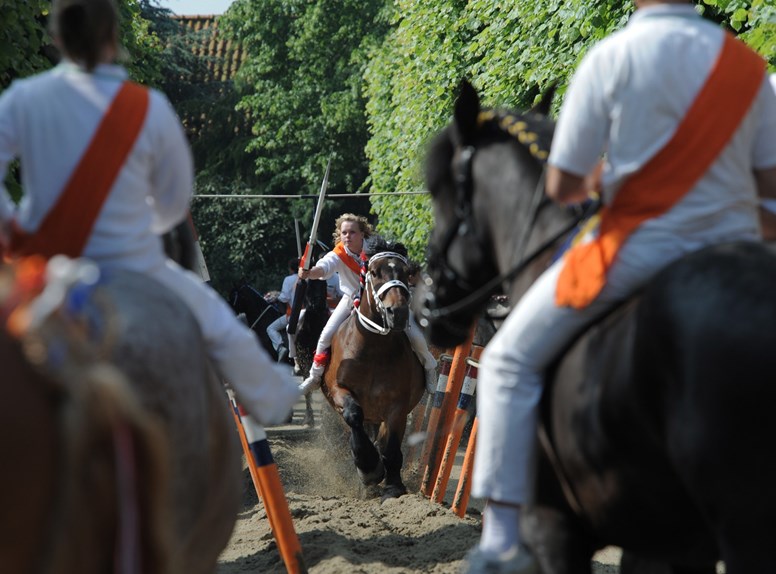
x: 345, y: 529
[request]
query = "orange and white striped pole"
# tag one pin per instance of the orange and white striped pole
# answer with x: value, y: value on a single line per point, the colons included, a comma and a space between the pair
x: 266, y: 480
x: 434, y: 409
x: 462, y: 492
x: 437, y: 434
x: 458, y: 423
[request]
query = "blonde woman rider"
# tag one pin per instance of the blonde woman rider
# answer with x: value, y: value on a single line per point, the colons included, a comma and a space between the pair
x: 349, y: 233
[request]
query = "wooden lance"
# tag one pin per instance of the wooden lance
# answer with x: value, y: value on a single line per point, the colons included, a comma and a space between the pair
x: 307, y: 257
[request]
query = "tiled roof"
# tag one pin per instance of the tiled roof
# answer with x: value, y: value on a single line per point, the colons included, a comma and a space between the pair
x: 224, y: 57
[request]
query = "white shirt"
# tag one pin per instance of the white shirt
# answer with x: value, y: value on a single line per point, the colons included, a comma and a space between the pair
x: 48, y: 120
x: 627, y: 99
x: 287, y: 289
x: 331, y: 264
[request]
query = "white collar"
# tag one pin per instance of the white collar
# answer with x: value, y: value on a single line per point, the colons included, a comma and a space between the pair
x: 111, y: 71
x: 663, y: 10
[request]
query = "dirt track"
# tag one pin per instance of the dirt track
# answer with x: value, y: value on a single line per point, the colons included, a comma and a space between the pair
x: 342, y: 528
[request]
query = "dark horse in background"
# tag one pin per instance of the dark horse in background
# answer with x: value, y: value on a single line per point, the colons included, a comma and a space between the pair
x: 374, y: 379
x: 259, y: 313
x: 308, y: 330
x: 657, y: 424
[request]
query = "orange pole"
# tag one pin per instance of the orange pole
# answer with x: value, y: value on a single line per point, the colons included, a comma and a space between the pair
x: 435, y: 438
x: 247, y: 452
x: 259, y: 456
x: 461, y: 499
x: 460, y: 417
x: 434, y: 406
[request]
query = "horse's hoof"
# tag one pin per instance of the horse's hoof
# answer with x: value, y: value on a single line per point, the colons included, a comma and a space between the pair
x: 393, y: 491
x: 308, y: 421
x: 374, y: 477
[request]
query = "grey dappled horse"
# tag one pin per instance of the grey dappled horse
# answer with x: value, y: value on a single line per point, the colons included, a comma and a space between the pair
x: 66, y: 491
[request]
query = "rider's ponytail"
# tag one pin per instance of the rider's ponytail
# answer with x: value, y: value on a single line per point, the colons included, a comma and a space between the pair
x: 84, y: 28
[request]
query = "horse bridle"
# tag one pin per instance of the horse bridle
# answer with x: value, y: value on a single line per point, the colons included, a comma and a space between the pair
x: 376, y: 295
x: 237, y: 299
x: 464, y: 226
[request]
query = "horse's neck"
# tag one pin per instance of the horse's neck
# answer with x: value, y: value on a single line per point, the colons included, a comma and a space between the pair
x: 508, y: 233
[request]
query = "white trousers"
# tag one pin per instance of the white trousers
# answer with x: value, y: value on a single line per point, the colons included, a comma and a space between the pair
x: 510, y: 380
x: 342, y: 311
x: 275, y: 333
x: 267, y: 390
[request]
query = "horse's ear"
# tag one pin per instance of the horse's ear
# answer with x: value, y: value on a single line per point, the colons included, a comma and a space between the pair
x: 543, y: 107
x: 467, y: 110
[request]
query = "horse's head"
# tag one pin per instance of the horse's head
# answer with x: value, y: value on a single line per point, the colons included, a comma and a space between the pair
x: 386, y: 290
x: 234, y: 293
x: 480, y: 171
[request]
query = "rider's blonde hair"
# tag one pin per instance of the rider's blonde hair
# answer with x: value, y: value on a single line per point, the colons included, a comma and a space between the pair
x: 363, y: 225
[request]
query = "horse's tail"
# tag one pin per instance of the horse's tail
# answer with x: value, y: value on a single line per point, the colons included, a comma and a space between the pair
x: 114, y: 480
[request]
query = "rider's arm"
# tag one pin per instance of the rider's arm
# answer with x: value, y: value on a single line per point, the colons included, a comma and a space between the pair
x: 312, y: 273
x: 323, y: 269
x: 581, y: 136
x: 172, y: 173
x: 766, y: 182
x: 566, y: 188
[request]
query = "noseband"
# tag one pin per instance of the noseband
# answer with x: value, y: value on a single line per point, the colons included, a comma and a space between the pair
x: 376, y: 294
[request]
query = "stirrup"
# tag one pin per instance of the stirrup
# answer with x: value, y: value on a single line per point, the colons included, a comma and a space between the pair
x: 516, y: 561
x: 309, y: 384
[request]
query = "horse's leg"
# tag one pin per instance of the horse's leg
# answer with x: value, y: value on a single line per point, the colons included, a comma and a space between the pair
x: 551, y: 530
x: 391, y: 435
x: 309, y: 414
x: 368, y: 461
x: 749, y: 552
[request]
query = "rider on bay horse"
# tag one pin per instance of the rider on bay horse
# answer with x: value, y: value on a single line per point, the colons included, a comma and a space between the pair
x: 349, y: 234
x: 107, y: 170
x: 687, y: 120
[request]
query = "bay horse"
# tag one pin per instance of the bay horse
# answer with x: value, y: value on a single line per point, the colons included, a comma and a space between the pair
x: 374, y: 378
x: 119, y: 450
x: 656, y: 424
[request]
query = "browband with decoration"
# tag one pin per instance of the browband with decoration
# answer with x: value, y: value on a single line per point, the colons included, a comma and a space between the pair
x: 384, y: 254
x: 518, y: 128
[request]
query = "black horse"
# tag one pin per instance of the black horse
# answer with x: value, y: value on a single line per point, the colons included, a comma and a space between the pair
x: 259, y: 313
x: 308, y: 330
x: 656, y: 424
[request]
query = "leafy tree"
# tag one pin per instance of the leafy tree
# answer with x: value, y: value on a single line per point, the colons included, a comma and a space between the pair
x: 302, y: 89
x: 23, y: 38
x: 510, y: 53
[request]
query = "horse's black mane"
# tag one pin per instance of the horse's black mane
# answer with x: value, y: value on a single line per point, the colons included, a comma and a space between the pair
x: 378, y: 244
x: 442, y: 148
x: 497, y: 126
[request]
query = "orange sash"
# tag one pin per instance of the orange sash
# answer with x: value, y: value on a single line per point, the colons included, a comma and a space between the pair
x: 700, y: 137
x: 339, y: 249
x: 66, y: 227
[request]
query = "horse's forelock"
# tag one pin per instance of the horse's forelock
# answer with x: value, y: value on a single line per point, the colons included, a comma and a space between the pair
x: 378, y: 244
